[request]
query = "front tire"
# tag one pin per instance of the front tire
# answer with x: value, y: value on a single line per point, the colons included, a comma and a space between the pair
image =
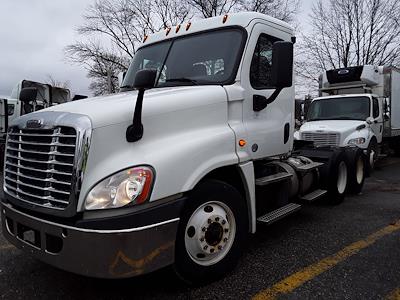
x: 211, y: 233
x: 372, y: 155
x: 337, y: 180
x: 357, y: 169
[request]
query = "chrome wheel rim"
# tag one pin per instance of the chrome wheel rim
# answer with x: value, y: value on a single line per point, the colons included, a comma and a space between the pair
x: 210, y: 233
x: 360, y: 170
x: 342, y: 177
x: 372, y: 159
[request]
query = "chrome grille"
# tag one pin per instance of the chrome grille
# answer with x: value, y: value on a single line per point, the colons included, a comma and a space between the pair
x: 322, y: 138
x: 39, y: 165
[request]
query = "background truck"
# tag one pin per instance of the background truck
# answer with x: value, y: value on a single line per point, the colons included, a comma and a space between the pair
x: 207, y: 156
x: 12, y: 108
x: 358, y: 106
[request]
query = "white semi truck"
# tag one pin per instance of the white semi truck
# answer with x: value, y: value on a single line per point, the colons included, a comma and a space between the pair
x: 180, y: 166
x: 358, y: 106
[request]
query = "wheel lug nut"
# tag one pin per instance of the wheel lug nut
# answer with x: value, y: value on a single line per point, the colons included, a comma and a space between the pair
x: 225, y: 240
x: 226, y: 230
x: 202, y: 239
x: 205, y: 247
x: 212, y: 250
x: 223, y: 222
x: 209, y: 221
x: 203, y: 229
x: 216, y: 219
x: 219, y: 247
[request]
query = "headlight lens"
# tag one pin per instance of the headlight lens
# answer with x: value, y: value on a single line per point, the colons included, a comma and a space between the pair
x: 357, y: 141
x: 131, y: 186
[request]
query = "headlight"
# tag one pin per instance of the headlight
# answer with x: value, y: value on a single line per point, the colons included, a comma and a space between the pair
x: 131, y: 186
x: 357, y: 141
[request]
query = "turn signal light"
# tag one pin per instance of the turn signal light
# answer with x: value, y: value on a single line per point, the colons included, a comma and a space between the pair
x: 242, y: 143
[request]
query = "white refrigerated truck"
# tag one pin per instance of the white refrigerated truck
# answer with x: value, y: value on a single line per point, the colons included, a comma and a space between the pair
x: 357, y: 106
x: 207, y: 155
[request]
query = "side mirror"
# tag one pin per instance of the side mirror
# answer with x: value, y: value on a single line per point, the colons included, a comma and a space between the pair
x: 121, y: 77
x: 144, y: 80
x: 28, y: 94
x: 282, y: 65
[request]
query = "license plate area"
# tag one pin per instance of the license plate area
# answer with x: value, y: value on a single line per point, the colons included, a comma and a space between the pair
x: 29, y: 235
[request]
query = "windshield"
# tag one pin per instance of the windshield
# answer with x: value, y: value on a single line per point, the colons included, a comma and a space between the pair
x: 206, y: 58
x: 346, y: 108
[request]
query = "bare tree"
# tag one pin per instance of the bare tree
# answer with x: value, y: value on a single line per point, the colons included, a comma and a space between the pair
x: 284, y: 10
x: 111, y: 31
x: 212, y: 8
x: 350, y: 32
x: 56, y: 83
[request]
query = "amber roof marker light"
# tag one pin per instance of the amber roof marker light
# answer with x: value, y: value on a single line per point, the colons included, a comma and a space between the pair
x: 167, y: 31
x: 188, y: 26
x: 145, y: 38
x: 242, y: 143
x: 177, y: 28
x: 224, y: 19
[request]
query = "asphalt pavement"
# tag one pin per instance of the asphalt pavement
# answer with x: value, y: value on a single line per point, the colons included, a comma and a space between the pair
x: 350, y: 251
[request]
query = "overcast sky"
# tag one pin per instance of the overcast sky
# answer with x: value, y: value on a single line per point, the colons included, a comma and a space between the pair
x: 33, y: 34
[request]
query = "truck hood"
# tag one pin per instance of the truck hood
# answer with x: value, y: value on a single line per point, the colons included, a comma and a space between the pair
x: 119, y: 108
x: 340, y: 126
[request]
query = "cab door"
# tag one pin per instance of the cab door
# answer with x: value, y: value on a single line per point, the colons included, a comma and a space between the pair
x: 269, y: 131
x: 377, y: 115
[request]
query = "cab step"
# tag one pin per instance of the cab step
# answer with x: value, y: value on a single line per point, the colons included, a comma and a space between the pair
x: 308, y: 167
x: 281, y: 176
x: 314, y: 195
x: 279, y: 213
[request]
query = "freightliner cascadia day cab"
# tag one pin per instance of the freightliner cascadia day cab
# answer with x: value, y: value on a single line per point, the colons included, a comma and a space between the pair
x: 358, y: 106
x: 180, y: 166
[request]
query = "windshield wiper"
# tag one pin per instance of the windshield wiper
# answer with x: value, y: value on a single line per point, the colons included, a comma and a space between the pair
x: 182, y: 79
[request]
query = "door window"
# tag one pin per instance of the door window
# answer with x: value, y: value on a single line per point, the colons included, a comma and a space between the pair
x: 261, y: 64
x: 375, y: 108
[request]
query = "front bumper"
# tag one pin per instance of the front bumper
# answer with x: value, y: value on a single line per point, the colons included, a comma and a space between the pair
x: 92, y: 252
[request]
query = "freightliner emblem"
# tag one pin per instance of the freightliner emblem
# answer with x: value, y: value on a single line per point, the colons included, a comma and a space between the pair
x: 36, y: 123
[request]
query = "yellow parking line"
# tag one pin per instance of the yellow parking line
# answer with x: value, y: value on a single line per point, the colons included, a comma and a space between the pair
x: 395, y: 295
x: 295, y: 280
x: 6, y: 247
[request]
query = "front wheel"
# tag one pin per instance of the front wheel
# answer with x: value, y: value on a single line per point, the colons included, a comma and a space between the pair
x: 337, y: 180
x: 372, y: 155
x: 357, y: 170
x: 211, y: 234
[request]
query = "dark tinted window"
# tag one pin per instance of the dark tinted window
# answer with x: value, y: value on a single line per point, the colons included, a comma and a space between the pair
x: 261, y: 64
x: 346, y: 108
x: 10, y: 108
x: 375, y: 108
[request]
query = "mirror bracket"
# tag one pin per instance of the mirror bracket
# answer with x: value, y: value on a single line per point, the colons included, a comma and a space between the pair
x: 261, y: 102
x: 144, y: 80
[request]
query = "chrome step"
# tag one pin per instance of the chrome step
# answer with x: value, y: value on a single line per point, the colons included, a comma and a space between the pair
x: 308, y: 167
x: 279, y: 213
x: 281, y: 176
x: 314, y: 195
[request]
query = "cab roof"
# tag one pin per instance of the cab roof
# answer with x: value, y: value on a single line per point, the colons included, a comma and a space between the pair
x: 241, y: 19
